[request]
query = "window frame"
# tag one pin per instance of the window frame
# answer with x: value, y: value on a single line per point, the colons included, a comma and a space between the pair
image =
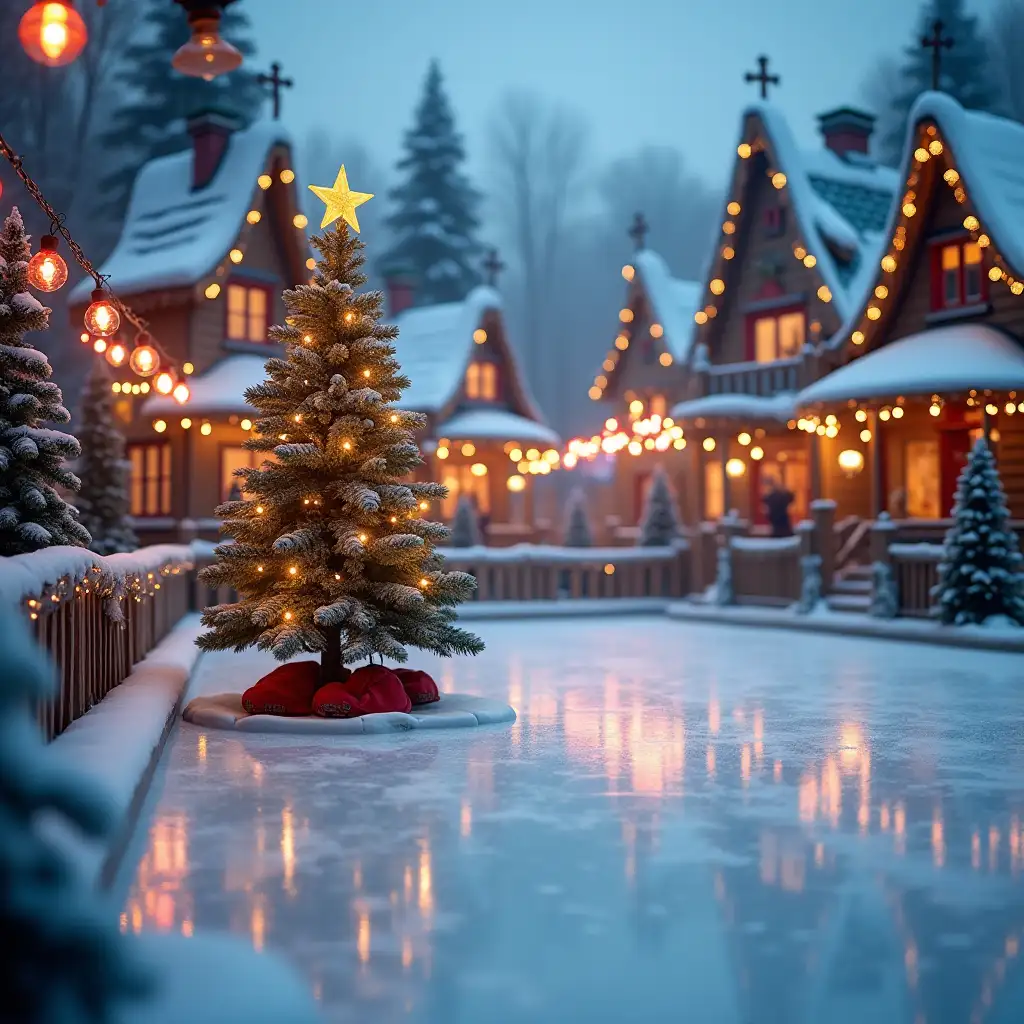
x: 482, y: 381
x: 162, y: 479
x: 940, y: 299
x: 776, y: 315
x: 250, y: 286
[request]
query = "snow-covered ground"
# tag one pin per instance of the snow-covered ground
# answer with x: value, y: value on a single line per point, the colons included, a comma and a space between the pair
x: 688, y: 822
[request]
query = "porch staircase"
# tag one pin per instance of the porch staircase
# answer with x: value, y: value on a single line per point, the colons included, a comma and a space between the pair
x: 851, y: 590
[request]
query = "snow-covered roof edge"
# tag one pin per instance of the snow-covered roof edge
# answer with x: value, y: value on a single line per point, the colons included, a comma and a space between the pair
x: 953, y: 123
x: 668, y: 295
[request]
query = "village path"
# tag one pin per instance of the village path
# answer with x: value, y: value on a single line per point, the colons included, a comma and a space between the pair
x: 687, y: 822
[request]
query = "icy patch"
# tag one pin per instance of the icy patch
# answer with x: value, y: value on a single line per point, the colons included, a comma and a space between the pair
x: 453, y: 711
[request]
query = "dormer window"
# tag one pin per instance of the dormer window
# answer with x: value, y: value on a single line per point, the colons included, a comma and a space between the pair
x: 778, y: 334
x: 482, y: 381
x: 958, y: 277
x: 248, y: 312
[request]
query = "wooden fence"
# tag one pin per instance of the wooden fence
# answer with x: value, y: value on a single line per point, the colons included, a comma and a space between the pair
x: 915, y: 572
x: 96, y: 617
x: 767, y: 570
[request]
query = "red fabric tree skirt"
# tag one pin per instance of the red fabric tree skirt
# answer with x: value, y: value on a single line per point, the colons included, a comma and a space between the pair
x: 420, y: 687
x: 288, y: 690
x: 370, y: 690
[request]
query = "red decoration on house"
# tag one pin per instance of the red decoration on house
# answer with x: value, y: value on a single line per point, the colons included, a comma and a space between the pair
x: 288, y: 690
x: 420, y: 687
x: 370, y: 690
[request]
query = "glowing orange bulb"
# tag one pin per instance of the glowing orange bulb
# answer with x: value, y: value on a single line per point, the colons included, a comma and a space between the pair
x: 288, y: 616
x: 292, y: 570
x: 144, y: 360
x: 164, y: 383
x: 206, y: 55
x: 362, y: 538
x: 424, y: 582
x: 102, y: 317
x: 52, y: 32
x: 116, y: 354
x: 100, y: 345
x: 181, y: 393
x: 47, y: 270
x: 259, y: 510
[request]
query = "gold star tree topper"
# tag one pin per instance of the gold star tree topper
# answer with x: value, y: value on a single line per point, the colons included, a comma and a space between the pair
x: 341, y: 201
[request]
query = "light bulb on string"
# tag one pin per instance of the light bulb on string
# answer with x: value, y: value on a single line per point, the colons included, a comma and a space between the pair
x: 102, y: 317
x: 145, y: 360
x: 164, y: 382
x: 47, y: 270
x: 206, y: 55
x: 52, y: 32
x: 181, y: 393
x: 116, y: 354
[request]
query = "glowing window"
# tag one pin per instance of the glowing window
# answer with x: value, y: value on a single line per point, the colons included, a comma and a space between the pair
x: 248, y: 309
x: 150, y: 479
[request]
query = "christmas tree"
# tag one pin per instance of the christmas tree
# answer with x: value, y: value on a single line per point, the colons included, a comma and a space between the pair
x: 32, y: 457
x: 965, y: 75
x: 980, y: 574
x: 68, y: 960
x: 435, y: 221
x: 103, y: 500
x: 152, y: 120
x: 332, y: 553
x: 659, y: 524
x: 577, y: 523
x: 465, y: 525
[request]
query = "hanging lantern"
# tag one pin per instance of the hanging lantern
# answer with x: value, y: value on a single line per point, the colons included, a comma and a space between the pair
x: 145, y: 360
x: 102, y: 317
x: 181, y: 393
x: 52, y: 32
x: 116, y: 354
x: 205, y: 55
x: 164, y: 383
x: 47, y: 270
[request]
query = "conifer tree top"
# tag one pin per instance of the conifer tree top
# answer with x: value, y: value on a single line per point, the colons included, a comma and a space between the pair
x: 331, y: 551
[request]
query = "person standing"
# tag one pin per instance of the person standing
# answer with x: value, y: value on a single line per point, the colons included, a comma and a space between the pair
x: 777, y: 500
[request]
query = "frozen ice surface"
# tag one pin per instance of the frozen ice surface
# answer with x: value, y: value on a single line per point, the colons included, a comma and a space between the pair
x: 688, y: 822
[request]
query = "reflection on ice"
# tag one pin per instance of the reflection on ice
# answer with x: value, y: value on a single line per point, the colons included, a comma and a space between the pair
x: 682, y: 816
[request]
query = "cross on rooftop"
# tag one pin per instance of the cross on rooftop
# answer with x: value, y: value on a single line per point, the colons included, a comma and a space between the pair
x: 936, y: 42
x: 276, y: 83
x: 763, y: 77
x: 638, y: 231
x: 493, y: 267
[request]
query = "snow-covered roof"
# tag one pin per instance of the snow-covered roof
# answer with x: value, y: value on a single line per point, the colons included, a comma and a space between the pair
x: 839, y: 202
x: 434, y: 347
x: 673, y: 302
x: 949, y: 359
x: 173, y: 235
x: 736, y: 406
x: 218, y: 391
x: 498, y: 425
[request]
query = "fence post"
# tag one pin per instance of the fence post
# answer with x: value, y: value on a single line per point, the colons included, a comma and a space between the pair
x: 823, y: 515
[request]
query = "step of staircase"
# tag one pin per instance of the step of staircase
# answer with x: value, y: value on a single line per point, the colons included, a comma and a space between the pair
x: 854, y: 585
x: 849, y: 602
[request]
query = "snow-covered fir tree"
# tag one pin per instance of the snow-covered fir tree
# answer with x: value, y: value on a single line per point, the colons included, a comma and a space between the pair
x: 965, y: 69
x: 577, y: 523
x: 980, y: 575
x: 103, y: 502
x: 465, y: 524
x: 435, y: 219
x: 66, y: 958
x: 33, y: 514
x: 158, y: 101
x: 332, y: 552
x: 659, y: 524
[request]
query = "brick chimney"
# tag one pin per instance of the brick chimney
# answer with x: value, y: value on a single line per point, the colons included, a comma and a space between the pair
x: 211, y: 131
x: 846, y: 130
x: 399, y: 286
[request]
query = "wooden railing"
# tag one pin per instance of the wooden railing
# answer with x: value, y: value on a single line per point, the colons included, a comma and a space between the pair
x: 764, y: 379
x: 96, y: 617
x: 915, y: 572
x: 766, y: 570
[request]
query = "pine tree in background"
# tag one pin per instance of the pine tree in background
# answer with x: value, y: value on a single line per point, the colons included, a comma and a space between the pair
x: 435, y: 220
x: 152, y: 122
x: 465, y: 525
x: 659, y: 524
x: 965, y: 70
x: 980, y: 574
x: 332, y: 554
x: 66, y: 959
x: 577, y: 523
x: 103, y: 500
x: 32, y: 458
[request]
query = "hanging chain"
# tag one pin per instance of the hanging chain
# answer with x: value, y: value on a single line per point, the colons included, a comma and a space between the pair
x: 57, y: 226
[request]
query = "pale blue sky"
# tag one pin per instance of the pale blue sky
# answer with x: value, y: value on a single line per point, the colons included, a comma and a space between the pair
x: 642, y: 71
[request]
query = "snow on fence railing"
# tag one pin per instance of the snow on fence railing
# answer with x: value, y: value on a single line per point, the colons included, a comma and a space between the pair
x: 915, y: 571
x: 766, y: 570
x: 96, y: 616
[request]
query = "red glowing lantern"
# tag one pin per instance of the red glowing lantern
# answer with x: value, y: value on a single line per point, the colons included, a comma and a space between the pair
x: 47, y: 270
x: 52, y: 32
x: 102, y: 318
x: 205, y: 55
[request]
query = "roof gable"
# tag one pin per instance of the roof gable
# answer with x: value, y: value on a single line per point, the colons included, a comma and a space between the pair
x: 981, y: 159
x: 673, y: 302
x: 174, y: 236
